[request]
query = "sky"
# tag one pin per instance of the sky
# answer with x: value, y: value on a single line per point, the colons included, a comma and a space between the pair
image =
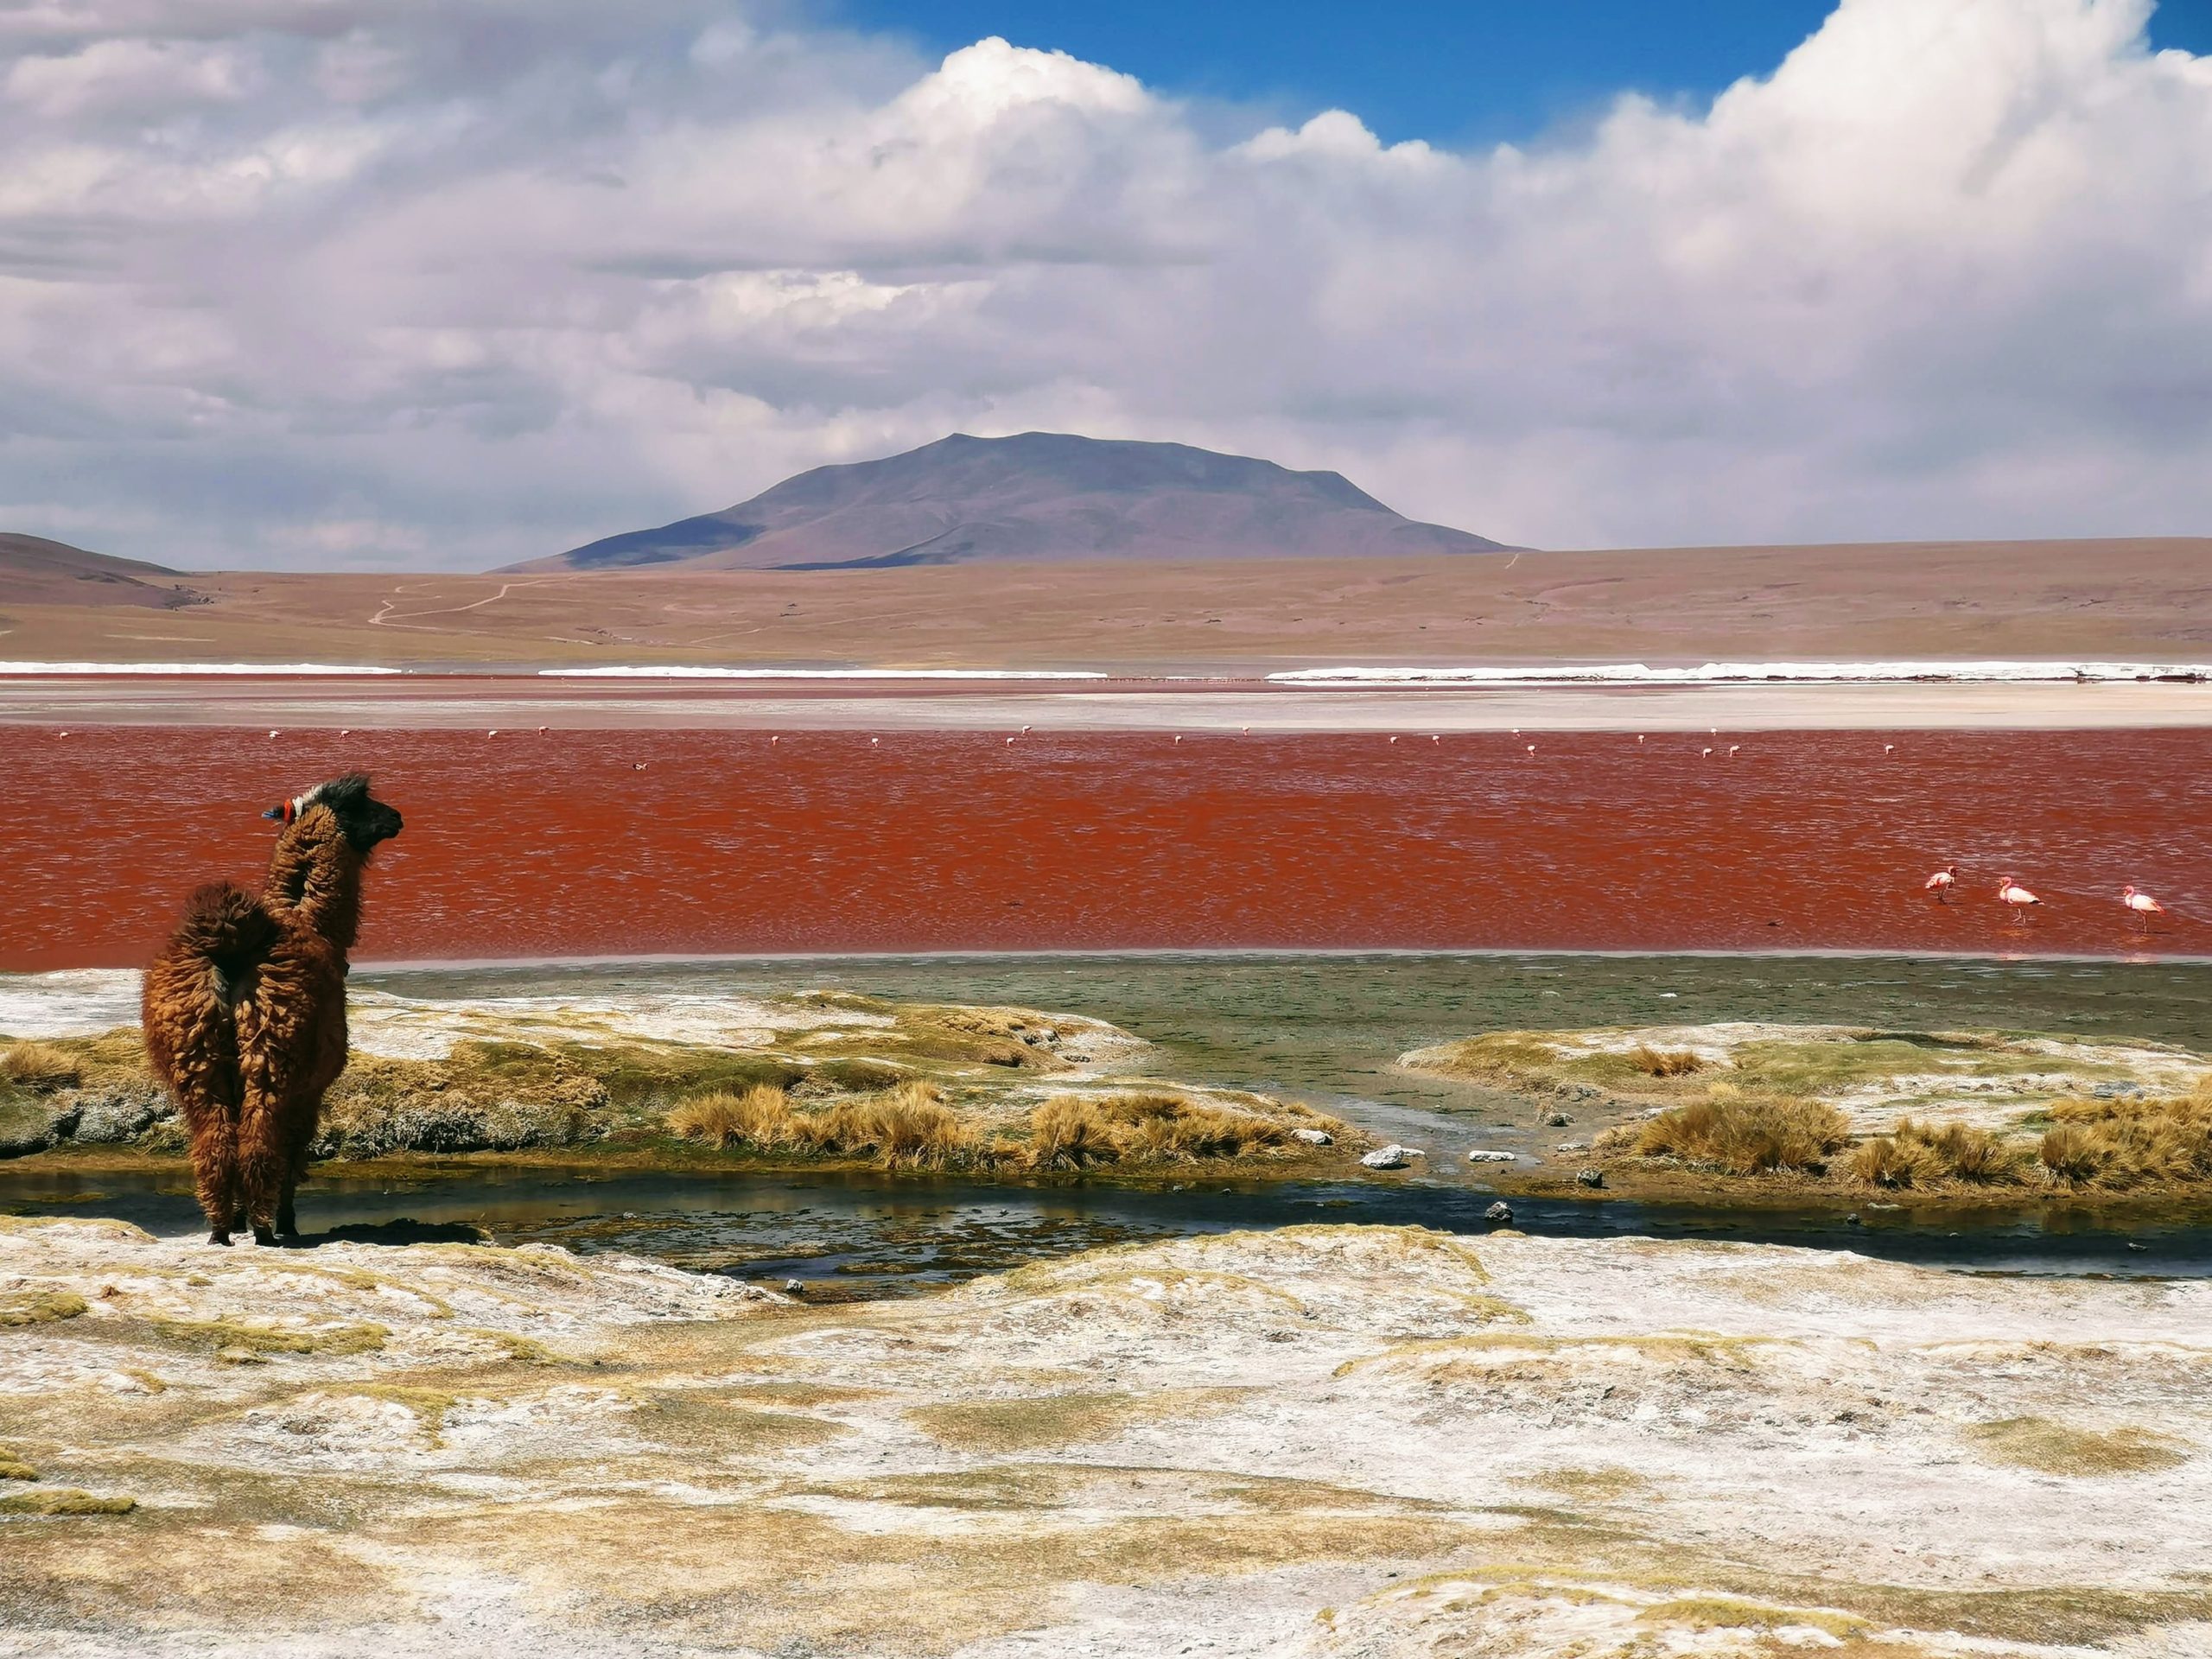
x: 390, y: 284
x: 1456, y: 72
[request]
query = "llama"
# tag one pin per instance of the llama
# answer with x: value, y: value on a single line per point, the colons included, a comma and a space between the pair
x: 244, y: 1011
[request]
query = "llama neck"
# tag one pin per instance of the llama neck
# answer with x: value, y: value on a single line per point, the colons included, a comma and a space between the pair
x: 317, y: 879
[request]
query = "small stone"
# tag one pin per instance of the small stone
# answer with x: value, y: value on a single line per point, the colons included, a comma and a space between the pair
x: 1315, y: 1137
x: 236, y: 1355
x: 1481, y: 1155
x: 1500, y: 1214
x: 793, y: 1288
x: 1393, y: 1156
x: 1852, y: 1220
x: 1557, y: 1120
x: 1574, y: 1146
x: 1591, y: 1177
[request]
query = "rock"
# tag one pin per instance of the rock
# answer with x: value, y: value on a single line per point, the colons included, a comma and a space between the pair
x: 1315, y: 1137
x: 33, y: 1125
x: 1393, y: 1156
x: 106, y: 1115
x: 1574, y: 1146
x: 1591, y: 1177
x: 1556, y: 1120
x: 1852, y: 1220
x: 1500, y: 1214
x: 1480, y: 1155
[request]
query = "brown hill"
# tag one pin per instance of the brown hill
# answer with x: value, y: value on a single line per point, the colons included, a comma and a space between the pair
x: 1042, y: 496
x: 35, y: 571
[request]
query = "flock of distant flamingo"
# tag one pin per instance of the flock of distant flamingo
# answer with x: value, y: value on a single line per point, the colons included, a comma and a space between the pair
x: 2019, y: 901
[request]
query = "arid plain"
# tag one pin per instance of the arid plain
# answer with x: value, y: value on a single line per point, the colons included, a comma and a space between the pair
x: 2143, y: 600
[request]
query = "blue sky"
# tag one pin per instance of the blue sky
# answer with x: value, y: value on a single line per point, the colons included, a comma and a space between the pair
x: 347, y: 283
x: 1477, y: 71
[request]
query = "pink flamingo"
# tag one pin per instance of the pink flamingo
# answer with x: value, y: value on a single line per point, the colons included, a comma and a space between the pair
x: 2020, y: 901
x: 1941, y: 882
x: 2142, y: 904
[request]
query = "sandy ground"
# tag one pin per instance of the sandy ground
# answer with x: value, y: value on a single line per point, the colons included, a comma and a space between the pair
x: 1315, y: 1442
x: 520, y: 703
x: 2135, y: 600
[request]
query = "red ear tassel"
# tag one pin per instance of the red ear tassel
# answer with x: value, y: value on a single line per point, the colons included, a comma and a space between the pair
x: 291, y: 810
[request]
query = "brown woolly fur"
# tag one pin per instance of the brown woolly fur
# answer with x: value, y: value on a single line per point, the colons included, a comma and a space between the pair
x: 1748, y: 1136
x: 244, y: 1011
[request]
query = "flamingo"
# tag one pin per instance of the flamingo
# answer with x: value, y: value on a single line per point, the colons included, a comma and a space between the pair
x: 1248, y: 731
x: 345, y: 731
x: 494, y: 732
x: 2142, y: 904
x: 1025, y: 731
x: 541, y: 731
x: 1434, y: 737
x: 773, y: 739
x: 1941, y: 882
x: 1178, y: 737
x: 1009, y: 742
x: 1708, y: 754
x: 2020, y: 901
x: 1639, y: 737
x: 876, y: 742
x: 272, y: 733
x: 1735, y: 748
x: 1889, y: 748
x: 1394, y: 739
x: 1532, y: 748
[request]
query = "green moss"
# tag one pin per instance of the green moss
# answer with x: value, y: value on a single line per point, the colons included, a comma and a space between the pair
x: 2052, y: 1448
x: 38, y: 1307
x: 1724, y: 1612
x: 222, y: 1335
x: 1033, y: 1420
x: 63, y: 1500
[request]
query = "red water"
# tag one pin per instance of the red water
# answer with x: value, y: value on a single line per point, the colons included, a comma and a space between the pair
x: 532, y: 846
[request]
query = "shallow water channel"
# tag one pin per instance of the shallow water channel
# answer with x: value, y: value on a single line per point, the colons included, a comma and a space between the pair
x: 1322, y: 1029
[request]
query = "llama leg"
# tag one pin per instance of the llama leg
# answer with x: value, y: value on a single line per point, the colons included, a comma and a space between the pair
x: 213, y: 1131
x: 264, y: 1159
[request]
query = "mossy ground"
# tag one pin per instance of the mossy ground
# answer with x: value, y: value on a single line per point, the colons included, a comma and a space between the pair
x: 1755, y: 1114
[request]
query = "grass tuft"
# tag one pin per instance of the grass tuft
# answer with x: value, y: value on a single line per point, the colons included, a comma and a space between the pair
x: 1921, y: 1154
x: 908, y: 1126
x: 1748, y: 1134
x: 39, y: 1065
x: 1069, y: 1131
x: 1665, y: 1062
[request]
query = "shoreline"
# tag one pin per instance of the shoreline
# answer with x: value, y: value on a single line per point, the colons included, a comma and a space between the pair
x: 1197, y: 704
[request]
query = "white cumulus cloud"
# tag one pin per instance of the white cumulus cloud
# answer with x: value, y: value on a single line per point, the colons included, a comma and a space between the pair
x: 320, y: 282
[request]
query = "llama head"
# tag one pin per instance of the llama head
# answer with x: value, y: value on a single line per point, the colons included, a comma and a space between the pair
x: 362, y: 819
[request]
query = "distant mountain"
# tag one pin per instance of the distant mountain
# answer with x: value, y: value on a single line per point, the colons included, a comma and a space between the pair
x: 35, y: 571
x: 1042, y: 495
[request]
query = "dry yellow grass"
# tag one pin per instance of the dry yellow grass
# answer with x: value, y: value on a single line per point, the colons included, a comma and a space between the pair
x: 907, y: 1127
x: 38, y: 1065
x: 1748, y: 1134
x: 1069, y: 1131
x: 2129, y: 1141
x: 1921, y: 1154
x: 1664, y: 1062
x: 761, y: 1116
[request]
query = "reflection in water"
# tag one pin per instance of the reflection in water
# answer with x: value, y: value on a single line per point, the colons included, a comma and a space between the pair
x: 1326, y: 1030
